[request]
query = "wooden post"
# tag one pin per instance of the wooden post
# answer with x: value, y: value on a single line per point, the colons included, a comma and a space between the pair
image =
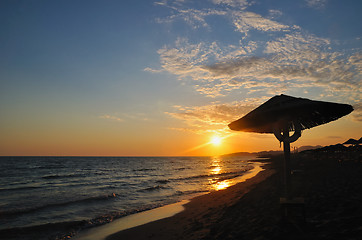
x: 287, y: 168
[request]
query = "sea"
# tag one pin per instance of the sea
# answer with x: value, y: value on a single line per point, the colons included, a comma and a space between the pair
x: 58, y: 197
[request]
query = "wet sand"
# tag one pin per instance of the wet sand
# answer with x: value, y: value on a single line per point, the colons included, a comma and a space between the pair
x: 251, y: 210
x: 134, y: 220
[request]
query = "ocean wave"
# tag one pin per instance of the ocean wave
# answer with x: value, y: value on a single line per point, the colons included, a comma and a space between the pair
x: 189, y: 192
x: 51, y: 166
x: 219, y: 175
x: 182, y: 168
x: 17, y: 212
x: 153, y: 188
x: 163, y: 181
x: 144, y: 169
x: 19, y: 188
x: 68, y: 229
x: 56, y: 176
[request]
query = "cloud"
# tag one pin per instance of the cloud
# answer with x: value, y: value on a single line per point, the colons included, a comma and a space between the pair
x: 296, y: 60
x: 213, y: 117
x: 188, y: 61
x: 356, y: 115
x: 194, y: 17
x: 275, y: 13
x: 245, y: 21
x: 316, y: 4
x: 166, y: 2
x: 242, y: 4
x: 162, y: 3
x: 356, y: 61
x: 112, y: 118
x: 183, y: 60
x: 125, y: 116
x: 295, y: 43
x: 148, y: 69
x: 136, y: 116
x: 284, y: 58
x: 302, y: 67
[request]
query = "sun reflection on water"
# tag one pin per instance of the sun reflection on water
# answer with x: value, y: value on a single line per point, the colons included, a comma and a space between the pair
x: 216, y: 168
x: 221, y: 185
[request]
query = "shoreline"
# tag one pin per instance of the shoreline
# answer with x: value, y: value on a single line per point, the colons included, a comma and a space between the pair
x: 156, y: 214
x: 130, y: 221
x: 173, y: 227
x: 330, y: 187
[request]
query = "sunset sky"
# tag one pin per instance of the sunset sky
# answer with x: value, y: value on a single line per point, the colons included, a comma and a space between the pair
x: 161, y: 78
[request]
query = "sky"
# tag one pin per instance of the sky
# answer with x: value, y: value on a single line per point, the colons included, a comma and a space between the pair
x: 163, y: 78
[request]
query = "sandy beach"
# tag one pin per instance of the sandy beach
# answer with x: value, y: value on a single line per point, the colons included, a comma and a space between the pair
x: 251, y: 210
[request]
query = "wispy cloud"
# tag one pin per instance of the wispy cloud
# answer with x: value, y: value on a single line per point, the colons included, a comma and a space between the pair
x: 303, y: 66
x: 295, y: 60
x: 190, y: 61
x: 286, y: 58
x: 245, y: 21
x: 317, y: 4
x: 148, y: 69
x: 112, y: 118
x: 125, y: 116
x: 194, y: 17
x: 295, y: 43
x: 213, y: 117
x: 241, y: 4
x: 136, y: 116
x: 274, y: 13
x: 357, y: 113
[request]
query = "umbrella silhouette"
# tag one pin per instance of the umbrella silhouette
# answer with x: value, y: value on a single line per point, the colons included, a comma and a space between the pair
x: 282, y: 114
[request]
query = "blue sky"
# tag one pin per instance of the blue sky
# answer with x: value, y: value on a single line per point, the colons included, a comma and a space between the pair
x: 114, y: 77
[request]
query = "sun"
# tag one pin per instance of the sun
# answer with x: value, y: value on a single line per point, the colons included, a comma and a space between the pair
x: 216, y: 140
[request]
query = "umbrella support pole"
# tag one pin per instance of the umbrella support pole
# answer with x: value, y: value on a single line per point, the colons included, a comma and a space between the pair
x: 287, y: 168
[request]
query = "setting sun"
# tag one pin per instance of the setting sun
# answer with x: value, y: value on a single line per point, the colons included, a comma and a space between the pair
x: 216, y: 140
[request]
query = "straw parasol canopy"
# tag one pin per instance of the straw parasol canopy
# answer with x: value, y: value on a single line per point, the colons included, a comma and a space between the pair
x: 295, y: 112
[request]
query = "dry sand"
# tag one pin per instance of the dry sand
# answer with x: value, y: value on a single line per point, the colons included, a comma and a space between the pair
x: 251, y: 210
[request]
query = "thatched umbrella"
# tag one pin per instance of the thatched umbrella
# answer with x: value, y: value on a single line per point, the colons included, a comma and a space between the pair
x: 282, y: 114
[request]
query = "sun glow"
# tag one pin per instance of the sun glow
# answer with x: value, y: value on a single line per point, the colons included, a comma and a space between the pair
x: 216, y: 140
